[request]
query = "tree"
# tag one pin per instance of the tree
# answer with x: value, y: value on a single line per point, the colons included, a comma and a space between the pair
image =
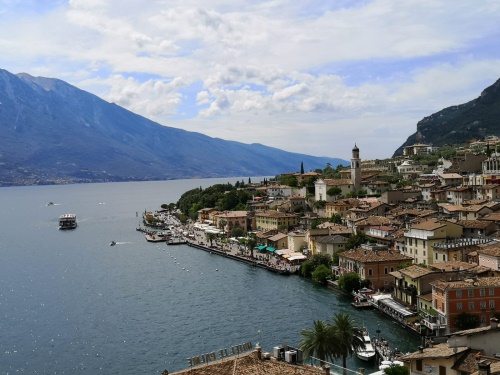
x: 307, y: 268
x: 348, y: 337
x: 318, y: 341
x: 222, y: 225
x: 466, y: 321
x: 334, y: 191
x: 349, y: 282
x: 210, y: 237
x: 302, y: 168
x: 336, y: 218
x: 251, y: 243
x: 355, y: 241
x: 396, y: 370
x: 321, y: 274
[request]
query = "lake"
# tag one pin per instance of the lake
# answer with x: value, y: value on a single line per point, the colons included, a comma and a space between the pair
x: 72, y: 304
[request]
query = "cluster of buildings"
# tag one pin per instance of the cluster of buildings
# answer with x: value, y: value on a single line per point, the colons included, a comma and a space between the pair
x: 432, y: 244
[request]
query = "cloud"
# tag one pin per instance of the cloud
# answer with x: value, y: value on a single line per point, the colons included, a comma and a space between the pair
x: 294, y: 75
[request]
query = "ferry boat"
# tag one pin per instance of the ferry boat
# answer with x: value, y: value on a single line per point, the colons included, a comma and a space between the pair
x: 67, y: 221
x: 368, y: 352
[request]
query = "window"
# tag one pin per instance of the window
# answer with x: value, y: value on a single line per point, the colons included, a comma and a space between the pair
x: 370, y: 272
x: 386, y: 270
x: 482, y: 292
x: 471, y: 306
x: 442, y: 306
x: 442, y: 370
x: 483, y: 305
x: 418, y: 364
x: 459, y: 306
x: 492, y: 305
x: 459, y: 294
x: 470, y: 293
x: 483, y: 320
x: 392, y: 269
x: 492, y: 291
x: 436, y: 256
x: 444, y: 257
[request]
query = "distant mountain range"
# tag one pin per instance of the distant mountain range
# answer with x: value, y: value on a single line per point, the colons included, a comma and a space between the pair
x: 458, y: 124
x: 52, y: 132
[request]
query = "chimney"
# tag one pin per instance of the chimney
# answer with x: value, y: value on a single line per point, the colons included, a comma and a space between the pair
x: 484, y: 367
x: 326, y: 369
x: 421, y: 349
x: 258, y: 351
x: 493, y: 323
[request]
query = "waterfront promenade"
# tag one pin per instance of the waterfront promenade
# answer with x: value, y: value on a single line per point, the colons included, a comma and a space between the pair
x: 227, y: 247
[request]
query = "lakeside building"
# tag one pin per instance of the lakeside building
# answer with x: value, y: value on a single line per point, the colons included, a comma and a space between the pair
x: 480, y: 297
x: 228, y: 220
x: 421, y: 238
x: 374, y: 263
x: 273, y: 220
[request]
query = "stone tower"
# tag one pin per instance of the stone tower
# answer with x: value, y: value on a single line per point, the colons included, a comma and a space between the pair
x: 356, y: 169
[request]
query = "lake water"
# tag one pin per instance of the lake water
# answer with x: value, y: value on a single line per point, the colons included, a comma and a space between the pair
x: 72, y: 304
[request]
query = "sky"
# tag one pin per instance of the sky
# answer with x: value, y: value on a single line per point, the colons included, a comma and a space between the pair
x: 313, y: 76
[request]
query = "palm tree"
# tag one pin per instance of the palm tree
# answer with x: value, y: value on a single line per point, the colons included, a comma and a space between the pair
x: 210, y: 237
x: 251, y: 242
x: 348, y: 336
x: 318, y: 341
x: 222, y: 225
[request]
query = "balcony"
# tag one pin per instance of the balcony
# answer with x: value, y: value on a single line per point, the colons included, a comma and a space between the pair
x: 433, y: 322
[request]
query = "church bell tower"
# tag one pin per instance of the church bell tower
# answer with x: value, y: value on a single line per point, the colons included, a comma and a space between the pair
x: 356, y: 169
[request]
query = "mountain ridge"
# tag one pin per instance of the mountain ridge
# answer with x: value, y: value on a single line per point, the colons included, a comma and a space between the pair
x: 460, y: 123
x: 55, y: 132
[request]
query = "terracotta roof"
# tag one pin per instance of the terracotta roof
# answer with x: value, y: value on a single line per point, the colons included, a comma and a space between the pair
x: 492, y: 250
x: 374, y: 221
x: 431, y: 224
x: 437, y: 351
x: 474, y: 224
x: 277, y: 237
x: 426, y: 297
x: 452, y: 265
x: 335, y: 239
x: 494, y: 369
x: 484, y: 282
x: 494, y: 216
x: 248, y: 364
x: 337, y: 182
x: 415, y: 271
x: 368, y: 256
x: 468, y: 363
x: 273, y: 214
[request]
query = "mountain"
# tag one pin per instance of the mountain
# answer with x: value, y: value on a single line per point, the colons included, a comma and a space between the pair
x: 458, y: 124
x: 52, y: 132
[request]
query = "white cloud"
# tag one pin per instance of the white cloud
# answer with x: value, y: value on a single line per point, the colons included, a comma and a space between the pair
x: 295, y: 75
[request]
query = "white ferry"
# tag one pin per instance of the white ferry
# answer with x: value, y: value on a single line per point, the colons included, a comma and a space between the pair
x: 368, y: 352
x: 67, y: 221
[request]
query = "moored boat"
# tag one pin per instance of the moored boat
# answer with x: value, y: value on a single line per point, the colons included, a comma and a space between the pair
x: 368, y: 353
x: 67, y: 221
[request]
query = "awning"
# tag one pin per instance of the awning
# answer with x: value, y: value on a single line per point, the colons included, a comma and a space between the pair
x: 262, y: 247
x: 271, y: 249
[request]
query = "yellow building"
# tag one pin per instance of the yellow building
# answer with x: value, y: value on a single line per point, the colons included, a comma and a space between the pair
x: 274, y: 220
x: 421, y: 239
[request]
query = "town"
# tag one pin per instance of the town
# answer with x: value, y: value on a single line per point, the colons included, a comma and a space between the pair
x: 419, y: 234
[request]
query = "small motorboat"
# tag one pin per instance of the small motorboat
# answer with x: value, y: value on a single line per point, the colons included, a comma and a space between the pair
x: 112, y: 243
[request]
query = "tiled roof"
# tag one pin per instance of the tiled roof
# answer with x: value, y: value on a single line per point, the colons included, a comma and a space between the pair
x: 337, y: 182
x: 415, y: 271
x: 483, y: 282
x: 426, y: 297
x: 494, y: 369
x: 368, y: 256
x: 273, y: 214
x: 431, y: 224
x: 248, y: 364
x: 437, y: 351
x: 277, y: 237
x: 335, y: 239
x: 452, y: 265
x: 374, y: 221
x: 493, y: 250
x: 494, y: 216
x: 468, y: 363
x: 474, y: 224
